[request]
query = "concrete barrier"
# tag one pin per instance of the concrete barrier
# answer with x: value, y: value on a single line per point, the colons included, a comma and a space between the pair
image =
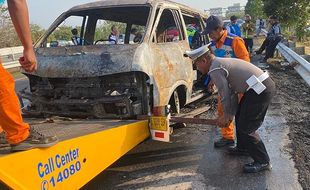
x: 10, y: 57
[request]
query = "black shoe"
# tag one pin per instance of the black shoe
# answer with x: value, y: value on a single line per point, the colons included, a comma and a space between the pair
x: 255, y: 167
x: 237, y: 151
x: 35, y: 140
x: 223, y: 142
x: 258, y: 52
x: 263, y: 64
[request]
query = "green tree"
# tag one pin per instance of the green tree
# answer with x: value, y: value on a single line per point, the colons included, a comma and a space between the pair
x: 255, y: 9
x: 103, y: 30
x: 4, y: 14
x: 8, y: 36
x: 292, y: 13
x: 36, y: 32
x: 61, y: 33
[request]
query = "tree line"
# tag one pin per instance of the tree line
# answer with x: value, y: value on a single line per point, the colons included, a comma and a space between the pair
x: 294, y: 15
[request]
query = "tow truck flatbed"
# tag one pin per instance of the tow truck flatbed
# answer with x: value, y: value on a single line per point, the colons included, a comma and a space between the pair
x: 86, y: 148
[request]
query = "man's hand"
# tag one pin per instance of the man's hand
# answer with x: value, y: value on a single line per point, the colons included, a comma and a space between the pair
x: 211, y: 87
x: 222, y: 122
x: 28, y: 61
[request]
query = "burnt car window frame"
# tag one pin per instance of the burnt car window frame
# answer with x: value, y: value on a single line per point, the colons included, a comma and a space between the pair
x: 42, y: 42
x: 128, y: 24
x: 179, y: 23
x: 157, y: 22
x: 200, y: 19
x: 156, y: 19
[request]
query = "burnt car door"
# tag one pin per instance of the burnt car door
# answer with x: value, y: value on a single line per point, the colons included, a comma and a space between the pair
x: 194, y: 25
x: 170, y: 68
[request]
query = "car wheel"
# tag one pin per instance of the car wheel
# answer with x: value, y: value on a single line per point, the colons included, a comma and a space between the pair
x: 175, y: 103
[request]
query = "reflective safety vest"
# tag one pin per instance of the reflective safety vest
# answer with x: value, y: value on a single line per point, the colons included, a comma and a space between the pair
x: 235, y: 29
x: 226, y: 49
x: 191, y: 33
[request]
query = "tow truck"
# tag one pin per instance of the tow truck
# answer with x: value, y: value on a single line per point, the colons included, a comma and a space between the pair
x: 86, y: 148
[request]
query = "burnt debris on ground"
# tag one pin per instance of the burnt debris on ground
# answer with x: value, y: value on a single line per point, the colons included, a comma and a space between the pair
x: 295, y: 95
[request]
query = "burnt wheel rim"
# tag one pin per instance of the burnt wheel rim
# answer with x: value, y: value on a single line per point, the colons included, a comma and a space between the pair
x: 176, y: 102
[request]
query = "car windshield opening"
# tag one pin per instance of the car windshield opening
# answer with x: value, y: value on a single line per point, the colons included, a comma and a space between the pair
x: 113, y: 25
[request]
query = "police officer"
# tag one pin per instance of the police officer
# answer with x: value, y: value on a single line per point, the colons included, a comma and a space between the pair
x: 225, y: 44
x: 274, y: 36
x: 248, y: 30
x: 233, y: 76
x: 233, y: 26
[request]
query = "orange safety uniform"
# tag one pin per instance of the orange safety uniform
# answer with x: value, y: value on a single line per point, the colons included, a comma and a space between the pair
x: 229, y: 45
x: 11, y: 120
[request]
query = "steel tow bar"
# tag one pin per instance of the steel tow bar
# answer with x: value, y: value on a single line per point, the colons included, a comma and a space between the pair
x: 193, y: 120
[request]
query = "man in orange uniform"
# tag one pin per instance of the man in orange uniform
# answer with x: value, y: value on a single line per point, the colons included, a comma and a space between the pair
x: 18, y: 133
x: 225, y: 44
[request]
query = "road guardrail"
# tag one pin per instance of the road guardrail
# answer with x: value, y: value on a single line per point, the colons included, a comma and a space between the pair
x: 301, y: 65
x: 10, y: 56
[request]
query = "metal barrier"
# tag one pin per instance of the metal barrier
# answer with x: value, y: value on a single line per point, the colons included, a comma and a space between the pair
x: 301, y: 65
x: 10, y: 56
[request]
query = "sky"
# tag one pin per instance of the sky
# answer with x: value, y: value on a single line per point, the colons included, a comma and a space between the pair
x: 44, y: 12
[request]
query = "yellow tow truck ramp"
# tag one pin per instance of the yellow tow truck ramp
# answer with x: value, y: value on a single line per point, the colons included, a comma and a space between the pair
x: 86, y: 148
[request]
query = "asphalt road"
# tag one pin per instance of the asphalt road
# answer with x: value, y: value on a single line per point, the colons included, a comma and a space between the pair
x: 191, y: 162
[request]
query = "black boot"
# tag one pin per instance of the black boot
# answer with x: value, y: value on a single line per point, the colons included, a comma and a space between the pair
x: 258, y: 52
x: 223, y: 142
x: 237, y: 151
x: 255, y: 167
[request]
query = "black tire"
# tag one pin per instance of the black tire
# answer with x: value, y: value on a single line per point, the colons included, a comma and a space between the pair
x: 175, y: 103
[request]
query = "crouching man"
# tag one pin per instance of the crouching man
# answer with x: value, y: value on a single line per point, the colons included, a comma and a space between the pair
x: 233, y: 76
